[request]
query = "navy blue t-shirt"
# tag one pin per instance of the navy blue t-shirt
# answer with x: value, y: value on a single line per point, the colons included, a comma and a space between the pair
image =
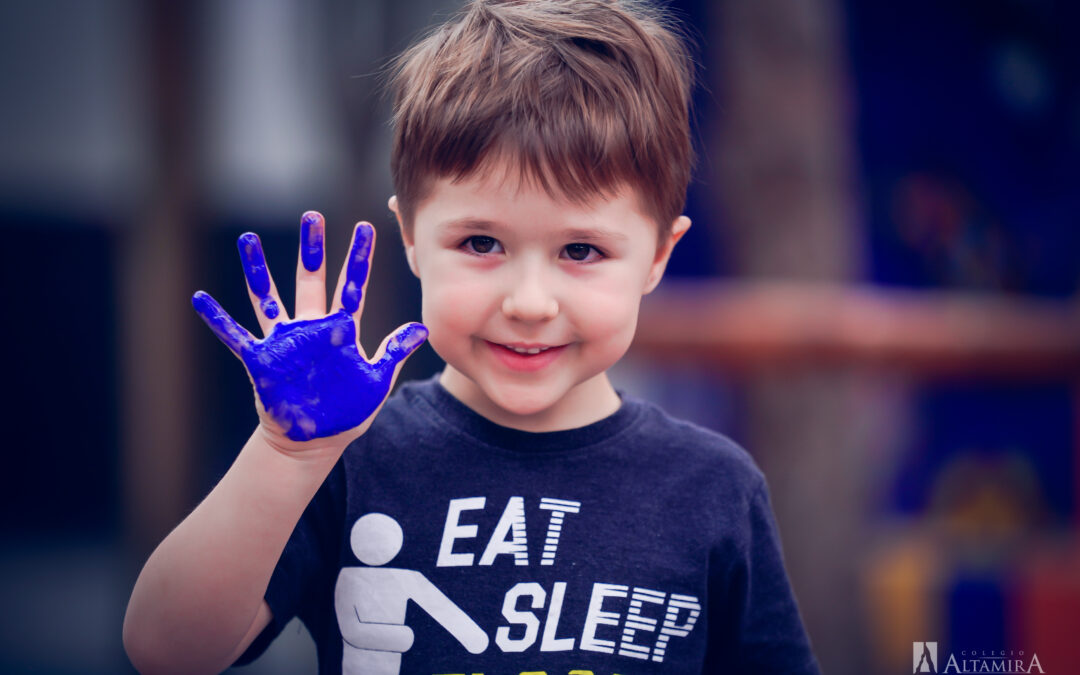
x: 444, y: 543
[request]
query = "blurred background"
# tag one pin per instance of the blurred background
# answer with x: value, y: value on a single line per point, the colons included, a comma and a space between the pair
x: 878, y: 297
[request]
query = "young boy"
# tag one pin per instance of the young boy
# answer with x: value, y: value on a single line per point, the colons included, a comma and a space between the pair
x: 514, y: 514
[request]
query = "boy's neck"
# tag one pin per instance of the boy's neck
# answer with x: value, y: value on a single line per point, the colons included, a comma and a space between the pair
x: 588, y: 402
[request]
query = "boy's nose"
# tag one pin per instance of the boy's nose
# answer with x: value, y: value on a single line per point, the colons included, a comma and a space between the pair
x: 530, y: 299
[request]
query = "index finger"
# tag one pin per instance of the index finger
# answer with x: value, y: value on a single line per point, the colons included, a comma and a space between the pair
x: 352, y: 282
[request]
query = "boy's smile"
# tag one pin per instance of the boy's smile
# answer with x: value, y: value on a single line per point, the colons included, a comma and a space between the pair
x: 530, y: 299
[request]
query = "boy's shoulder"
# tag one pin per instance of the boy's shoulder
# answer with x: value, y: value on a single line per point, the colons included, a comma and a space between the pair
x: 693, y: 450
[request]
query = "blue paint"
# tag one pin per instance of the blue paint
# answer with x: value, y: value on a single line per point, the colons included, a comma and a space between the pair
x: 256, y: 273
x: 311, y: 240
x: 251, y: 255
x: 309, y: 374
x: 225, y: 328
x: 356, y: 268
x: 269, y: 307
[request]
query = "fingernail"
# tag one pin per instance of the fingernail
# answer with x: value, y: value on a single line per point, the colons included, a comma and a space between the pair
x: 311, y: 240
x: 200, y: 302
x: 362, y: 245
x: 413, y: 336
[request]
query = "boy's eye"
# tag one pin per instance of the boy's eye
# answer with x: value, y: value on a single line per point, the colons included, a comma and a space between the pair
x: 480, y: 244
x: 582, y: 252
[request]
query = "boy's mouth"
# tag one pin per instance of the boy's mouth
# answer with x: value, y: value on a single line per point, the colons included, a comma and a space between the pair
x: 524, y: 356
x: 527, y: 350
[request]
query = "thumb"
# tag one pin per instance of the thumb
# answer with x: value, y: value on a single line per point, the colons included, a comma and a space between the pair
x: 397, y: 346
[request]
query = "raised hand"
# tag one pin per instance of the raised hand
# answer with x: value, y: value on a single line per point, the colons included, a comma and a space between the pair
x: 311, y: 377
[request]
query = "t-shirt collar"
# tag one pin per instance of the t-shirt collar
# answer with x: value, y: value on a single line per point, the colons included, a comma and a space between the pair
x: 462, y: 417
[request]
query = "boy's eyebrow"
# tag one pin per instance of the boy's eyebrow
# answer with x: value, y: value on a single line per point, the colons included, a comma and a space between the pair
x: 471, y: 224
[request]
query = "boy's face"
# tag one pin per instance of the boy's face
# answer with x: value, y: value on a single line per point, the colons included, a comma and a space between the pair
x: 505, y: 266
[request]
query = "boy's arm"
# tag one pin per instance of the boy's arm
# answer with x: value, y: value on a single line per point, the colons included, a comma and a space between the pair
x: 198, y: 601
x: 263, y: 616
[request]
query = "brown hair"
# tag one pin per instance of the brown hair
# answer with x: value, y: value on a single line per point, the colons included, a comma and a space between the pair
x: 584, y: 95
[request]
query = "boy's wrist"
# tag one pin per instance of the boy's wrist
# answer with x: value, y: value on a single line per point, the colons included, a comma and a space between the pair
x: 316, y: 452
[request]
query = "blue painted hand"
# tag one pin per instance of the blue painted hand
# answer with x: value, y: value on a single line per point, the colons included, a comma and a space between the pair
x: 311, y: 377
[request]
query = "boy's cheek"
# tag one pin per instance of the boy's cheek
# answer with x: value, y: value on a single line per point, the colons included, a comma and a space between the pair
x: 452, y: 310
x: 607, y: 312
x: 455, y: 293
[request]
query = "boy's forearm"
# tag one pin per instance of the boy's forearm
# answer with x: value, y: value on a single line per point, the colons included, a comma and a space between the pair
x: 200, y: 590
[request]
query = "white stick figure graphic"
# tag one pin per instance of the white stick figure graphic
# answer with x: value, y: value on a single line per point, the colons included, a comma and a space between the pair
x: 371, y: 601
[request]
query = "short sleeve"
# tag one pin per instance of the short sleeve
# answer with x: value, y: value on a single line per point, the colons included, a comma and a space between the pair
x: 757, y: 627
x: 306, y: 568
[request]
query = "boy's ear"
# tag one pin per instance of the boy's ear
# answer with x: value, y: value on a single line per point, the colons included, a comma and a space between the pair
x: 663, y: 254
x: 406, y: 238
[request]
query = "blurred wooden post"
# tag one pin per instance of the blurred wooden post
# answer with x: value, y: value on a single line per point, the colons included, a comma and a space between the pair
x: 157, y: 324
x: 783, y: 157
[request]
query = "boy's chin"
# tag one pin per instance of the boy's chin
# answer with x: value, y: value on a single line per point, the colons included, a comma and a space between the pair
x: 530, y: 405
x: 522, y: 400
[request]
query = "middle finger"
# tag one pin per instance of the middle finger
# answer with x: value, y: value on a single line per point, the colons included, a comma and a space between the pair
x: 311, y: 267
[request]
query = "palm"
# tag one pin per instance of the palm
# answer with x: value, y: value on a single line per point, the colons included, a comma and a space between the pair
x: 312, y: 380
x: 310, y: 375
